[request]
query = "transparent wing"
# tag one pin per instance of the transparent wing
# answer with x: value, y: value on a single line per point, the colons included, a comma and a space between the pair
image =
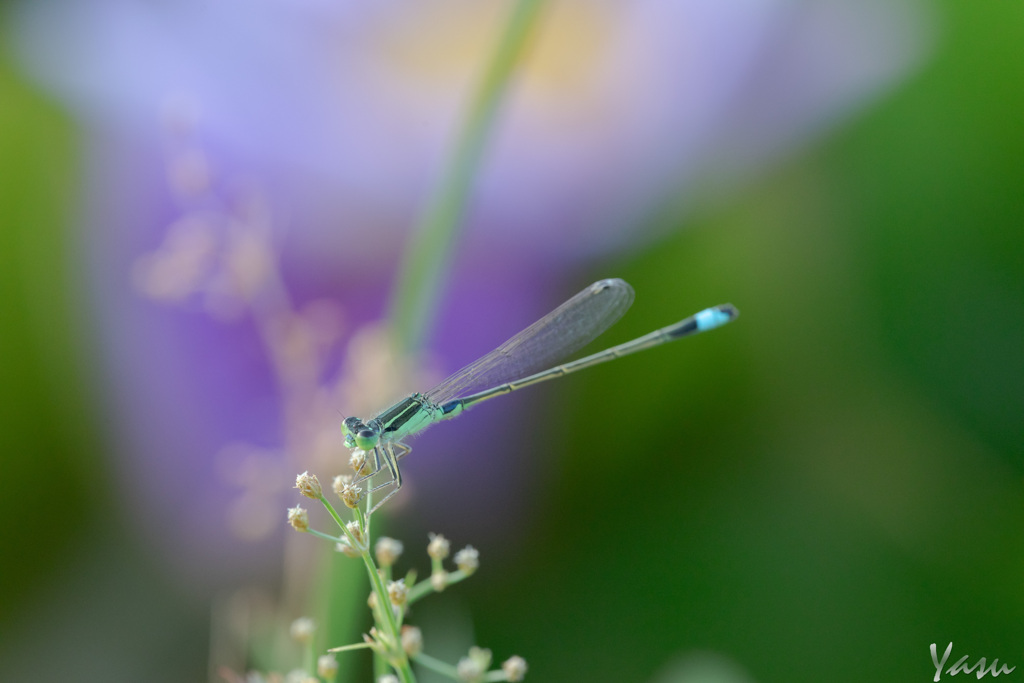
x: 543, y: 344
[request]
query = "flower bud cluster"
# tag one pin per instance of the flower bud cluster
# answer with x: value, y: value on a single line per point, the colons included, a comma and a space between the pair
x: 390, y: 638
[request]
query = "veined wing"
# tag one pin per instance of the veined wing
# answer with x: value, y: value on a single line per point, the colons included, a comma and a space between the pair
x: 543, y: 344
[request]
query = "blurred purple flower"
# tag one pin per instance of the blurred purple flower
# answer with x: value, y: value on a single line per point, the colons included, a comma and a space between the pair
x: 294, y: 142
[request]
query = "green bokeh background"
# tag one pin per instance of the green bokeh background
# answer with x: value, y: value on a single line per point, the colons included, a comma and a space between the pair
x: 817, y: 492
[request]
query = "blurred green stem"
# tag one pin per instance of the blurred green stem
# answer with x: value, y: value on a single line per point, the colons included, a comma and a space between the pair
x: 428, y: 252
x: 389, y: 623
x: 443, y: 668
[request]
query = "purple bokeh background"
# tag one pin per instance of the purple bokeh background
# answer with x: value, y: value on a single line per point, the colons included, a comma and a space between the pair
x: 338, y: 117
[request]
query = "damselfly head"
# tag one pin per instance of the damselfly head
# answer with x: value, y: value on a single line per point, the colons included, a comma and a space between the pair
x: 358, y: 434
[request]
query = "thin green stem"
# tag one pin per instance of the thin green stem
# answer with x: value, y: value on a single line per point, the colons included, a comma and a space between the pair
x: 320, y: 534
x: 425, y: 587
x: 364, y: 522
x: 368, y: 499
x: 398, y: 659
x: 429, y: 250
x: 380, y: 666
x: 337, y: 519
x: 443, y: 668
x: 353, y: 646
x: 309, y: 659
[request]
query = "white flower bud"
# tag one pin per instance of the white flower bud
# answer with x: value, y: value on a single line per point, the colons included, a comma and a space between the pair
x: 468, y: 559
x: 398, y: 592
x: 327, y: 667
x: 302, y: 630
x: 388, y: 550
x: 514, y: 668
x: 438, y: 547
x: 298, y: 518
x: 308, y: 485
x: 412, y: 640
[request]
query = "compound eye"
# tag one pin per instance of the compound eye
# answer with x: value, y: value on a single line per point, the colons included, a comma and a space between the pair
x: 366, y: 438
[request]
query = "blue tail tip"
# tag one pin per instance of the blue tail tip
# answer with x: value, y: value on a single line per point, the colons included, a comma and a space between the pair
x: 716, y: 316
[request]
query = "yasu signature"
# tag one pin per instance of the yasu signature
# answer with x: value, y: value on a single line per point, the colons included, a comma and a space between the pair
x: 961, y: 666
